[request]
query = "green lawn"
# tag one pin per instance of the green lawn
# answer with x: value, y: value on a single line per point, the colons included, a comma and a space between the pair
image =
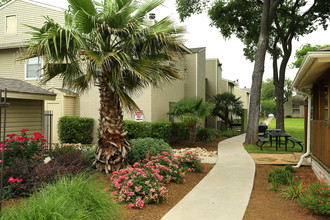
x: 293, y: 126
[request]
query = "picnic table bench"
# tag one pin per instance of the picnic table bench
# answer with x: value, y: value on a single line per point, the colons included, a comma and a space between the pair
x: 296, y: 141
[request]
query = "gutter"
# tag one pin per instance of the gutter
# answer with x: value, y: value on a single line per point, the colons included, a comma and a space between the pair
x: 308, y: 150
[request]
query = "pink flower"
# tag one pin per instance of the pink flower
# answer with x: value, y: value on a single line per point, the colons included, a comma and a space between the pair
x: 0, y: 161
x: 24, y: 130
x: 190, y: 170
x: 131, y: 205
x: 11, y: 179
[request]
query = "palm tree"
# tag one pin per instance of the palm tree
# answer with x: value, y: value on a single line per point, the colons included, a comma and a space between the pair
x: 110, y: 45
x: 226, y: 103
x: 191, y: 111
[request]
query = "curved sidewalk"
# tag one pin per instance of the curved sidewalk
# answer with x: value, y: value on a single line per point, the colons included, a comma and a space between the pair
x: 225, y: 192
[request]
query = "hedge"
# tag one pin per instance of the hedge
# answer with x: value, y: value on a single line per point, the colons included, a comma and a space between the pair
x: 168, y: 131
x: 75, y: 130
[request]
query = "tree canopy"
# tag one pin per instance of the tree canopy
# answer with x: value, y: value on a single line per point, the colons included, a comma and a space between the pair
x: 108, y: 44
x: 304, y: 49
x: 2, y: 2
x: 191, y: 111
x: 226, y: 103
x: 241, y: 18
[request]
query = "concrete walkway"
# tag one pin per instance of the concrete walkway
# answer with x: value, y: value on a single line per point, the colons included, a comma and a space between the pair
x: 225, y: 192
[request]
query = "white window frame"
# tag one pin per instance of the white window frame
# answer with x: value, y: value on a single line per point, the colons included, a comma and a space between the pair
x: 6, y: 25
x: 26, y: 67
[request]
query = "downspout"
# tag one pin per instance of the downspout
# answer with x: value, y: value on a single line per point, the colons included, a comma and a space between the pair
x: 308, y: 128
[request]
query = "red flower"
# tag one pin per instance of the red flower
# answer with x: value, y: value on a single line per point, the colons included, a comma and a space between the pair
x: 24, y: 130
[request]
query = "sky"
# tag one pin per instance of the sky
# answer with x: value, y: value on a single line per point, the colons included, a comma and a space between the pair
x: 230, y: 51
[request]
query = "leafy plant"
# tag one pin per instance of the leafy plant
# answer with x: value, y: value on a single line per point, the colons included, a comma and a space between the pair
x: 190, y: 111
x: 295, y: 188
x: 71, y: 197
x: 141, y: 147
x: 23, y: 147
x: 206, y: 134
x: 71, y: 158
x: 281, y: 175
x: 75, y: 129
x: 275, y: 182
x: 289, y: 168
x: 316, y: 197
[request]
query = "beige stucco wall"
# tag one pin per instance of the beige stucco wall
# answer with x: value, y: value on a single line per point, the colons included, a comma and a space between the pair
x: 24, y: 113
x: 26, y: 13
x: 244, y: 97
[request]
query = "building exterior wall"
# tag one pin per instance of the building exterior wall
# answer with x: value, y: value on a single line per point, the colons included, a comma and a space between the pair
x: 26, y: 13
x: 24, y: 113
x: 200, y: 86
x: 244, y: 97
x: 190, y: 74
x: 89, y: 107
x: 294, y: 110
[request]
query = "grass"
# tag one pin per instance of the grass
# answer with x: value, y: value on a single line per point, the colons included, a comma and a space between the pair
x: 293, y: 126
x: 78, y: 197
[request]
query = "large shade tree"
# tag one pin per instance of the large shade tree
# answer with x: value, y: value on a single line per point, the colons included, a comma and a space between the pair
x: 233, y: 26
x: 190, y: 111
x: 292, y: 19
x: 108, y: 44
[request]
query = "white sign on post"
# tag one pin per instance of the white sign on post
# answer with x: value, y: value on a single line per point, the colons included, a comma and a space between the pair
x: 138, y: 115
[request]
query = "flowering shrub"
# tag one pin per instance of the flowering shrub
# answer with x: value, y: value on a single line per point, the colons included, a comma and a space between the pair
x: 316, y: 197
x: 21, y: 146
x: 191, y: 162
x: 167, y: 164
x: 144, y: 182
x: 137, y: 186
x: 295, y: 188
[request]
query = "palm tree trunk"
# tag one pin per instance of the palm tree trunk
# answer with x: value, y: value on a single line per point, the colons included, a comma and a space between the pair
x: 111, y: 153
x: 192, y: 133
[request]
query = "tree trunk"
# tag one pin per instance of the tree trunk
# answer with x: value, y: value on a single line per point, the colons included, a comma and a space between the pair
x: 192, y: 133
x: 227, y: 119
x: 111, y: 153
x: 269, y: 8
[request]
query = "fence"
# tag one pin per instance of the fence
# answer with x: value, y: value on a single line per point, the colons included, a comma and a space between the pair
x: 48, y: 129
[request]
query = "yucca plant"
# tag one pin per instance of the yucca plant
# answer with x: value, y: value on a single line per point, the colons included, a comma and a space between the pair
x: 108, y: 44
x: 191, y: 111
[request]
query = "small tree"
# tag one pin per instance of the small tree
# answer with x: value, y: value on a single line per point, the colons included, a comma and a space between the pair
x: 268, y: 106
x: 191, y: 111
x: 226, y: 103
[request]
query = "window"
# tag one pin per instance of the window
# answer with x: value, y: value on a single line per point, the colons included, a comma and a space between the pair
x: 11, y: 25
x: 296, y: 111
x: 33, y: 68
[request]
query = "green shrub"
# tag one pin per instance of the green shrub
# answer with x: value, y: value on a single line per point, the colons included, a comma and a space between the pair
x: 75, y: 130
x: 289, y: 168
x: 294, y: 190
x: 180, y: 131
x: 141, y: 147
x: 90, y: 154
x: 228, y: 133
x: 23, y: 147
x: 206, y: 134
x: 162, y: 130
x: 137, y: 129
x: 78, y: 197
x: 168, y: 131
x: 282, y: 176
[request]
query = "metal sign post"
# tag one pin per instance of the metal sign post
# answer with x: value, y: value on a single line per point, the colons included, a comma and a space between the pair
x: 4, y: 105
